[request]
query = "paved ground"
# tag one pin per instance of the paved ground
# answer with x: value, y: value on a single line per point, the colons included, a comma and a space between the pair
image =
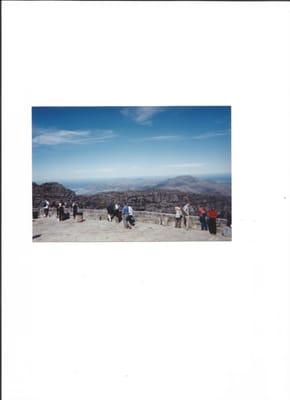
x: 94, y: 230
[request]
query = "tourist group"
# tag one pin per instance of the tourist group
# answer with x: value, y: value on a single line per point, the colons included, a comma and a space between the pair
x: 207, y: 217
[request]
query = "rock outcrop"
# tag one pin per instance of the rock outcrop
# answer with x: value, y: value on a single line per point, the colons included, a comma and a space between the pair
x: 53, y: 192
x: 154, y: 200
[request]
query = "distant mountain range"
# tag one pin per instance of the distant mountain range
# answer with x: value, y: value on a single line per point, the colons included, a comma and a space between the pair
x: 191, y: 184
x: 109, y: 185
x: 184, y: 183
x: 163, y: 196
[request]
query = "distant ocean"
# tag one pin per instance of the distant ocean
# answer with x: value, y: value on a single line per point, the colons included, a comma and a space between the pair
x: 226, y: 178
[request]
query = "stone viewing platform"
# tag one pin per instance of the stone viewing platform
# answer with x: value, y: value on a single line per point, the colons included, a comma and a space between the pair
x: 150, y: 227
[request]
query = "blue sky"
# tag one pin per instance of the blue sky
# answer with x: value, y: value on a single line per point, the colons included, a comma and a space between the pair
x: 74, y: 143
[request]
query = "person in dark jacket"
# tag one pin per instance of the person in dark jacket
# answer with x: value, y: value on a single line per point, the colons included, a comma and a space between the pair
x: 61, y: 212
x: 118, y: 212
x: 75, y: 209
x: 57, y: 210
x: 229, y: 218
x: 110, y: 211
x: 202, y: 218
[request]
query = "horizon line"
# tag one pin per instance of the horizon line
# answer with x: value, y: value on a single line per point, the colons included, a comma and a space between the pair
x: 129, y: 177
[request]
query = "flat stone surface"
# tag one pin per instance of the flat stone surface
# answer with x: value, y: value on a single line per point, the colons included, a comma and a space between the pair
x: 93, y: 230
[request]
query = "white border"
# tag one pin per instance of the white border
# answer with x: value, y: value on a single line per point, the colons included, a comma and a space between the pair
x: 138, y: 321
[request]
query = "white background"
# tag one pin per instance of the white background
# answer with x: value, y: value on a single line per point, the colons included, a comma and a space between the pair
x: 135, y: 320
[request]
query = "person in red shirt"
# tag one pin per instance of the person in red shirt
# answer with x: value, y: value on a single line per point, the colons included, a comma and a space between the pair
x: 212, y: 216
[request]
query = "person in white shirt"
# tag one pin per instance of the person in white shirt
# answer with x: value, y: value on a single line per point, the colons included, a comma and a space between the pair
x: 46, y: 208
x: 185, y: 212
x: 130, y: 210
x: 118, y: 213
x: 130, y: 217
x: 178, y: 217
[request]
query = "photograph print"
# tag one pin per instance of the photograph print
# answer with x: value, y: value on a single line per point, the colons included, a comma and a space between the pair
x: 122, y: 174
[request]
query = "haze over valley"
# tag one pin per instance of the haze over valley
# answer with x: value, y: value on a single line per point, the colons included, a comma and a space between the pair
x: 186, y: 183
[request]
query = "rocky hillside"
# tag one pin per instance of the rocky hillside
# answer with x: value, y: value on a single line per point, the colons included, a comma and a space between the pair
x: 155, y: 200
x: 53, y: 192
x: 142, y: 200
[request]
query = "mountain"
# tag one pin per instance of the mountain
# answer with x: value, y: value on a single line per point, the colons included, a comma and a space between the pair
x: 155, y: 200
x: 163, y: 200
x: 53, y: 192
x: 185, y: 183
x: 191, y: 184
x: 110, y: 185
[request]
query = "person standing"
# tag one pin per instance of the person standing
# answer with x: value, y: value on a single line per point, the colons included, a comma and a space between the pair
x: 75, y: 209
x: 111, y: 212
x: 46, y: 208
x: 125, y: 214
x: 61, y: 212
x: 57, y: 210
x: 118, y: 212
x: 178, y: 217
x: 212, y: 216
x: 229, y: 219
x: 202, y: 218
x: 185, y: 212
x: 130, y: 217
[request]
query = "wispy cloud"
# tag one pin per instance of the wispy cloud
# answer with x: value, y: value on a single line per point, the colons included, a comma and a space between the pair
x: 209, y: 135
x: 185, y: 165
x: 160, y: 138
x: 141, y: 115
x: 56, y: 137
